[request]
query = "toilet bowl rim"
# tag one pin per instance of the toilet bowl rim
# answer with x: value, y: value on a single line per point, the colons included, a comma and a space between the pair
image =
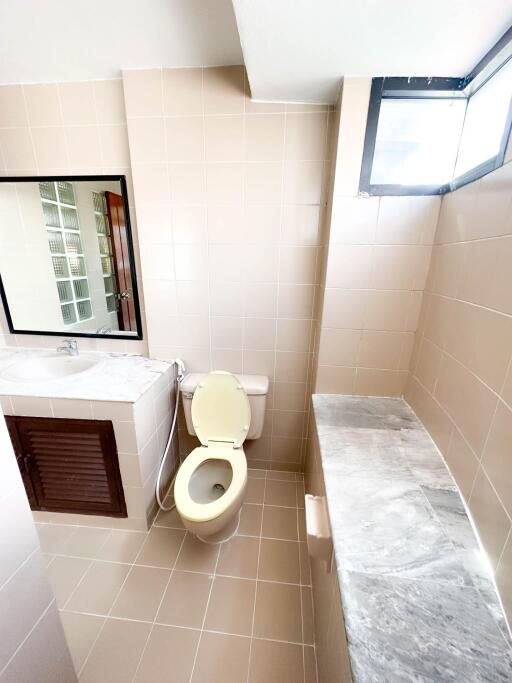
x: 204, y: 512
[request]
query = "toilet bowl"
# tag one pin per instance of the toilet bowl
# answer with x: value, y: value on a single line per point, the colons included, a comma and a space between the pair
x: 211, y: 482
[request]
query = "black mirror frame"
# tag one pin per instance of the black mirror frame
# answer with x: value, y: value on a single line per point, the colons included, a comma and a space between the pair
x: 124, y: 191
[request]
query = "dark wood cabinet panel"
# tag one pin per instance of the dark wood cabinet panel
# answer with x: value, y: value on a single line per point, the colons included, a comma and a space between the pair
x: 68, y: 465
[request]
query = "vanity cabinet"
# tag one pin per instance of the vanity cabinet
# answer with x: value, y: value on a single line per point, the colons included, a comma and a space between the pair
x: 68, y: 465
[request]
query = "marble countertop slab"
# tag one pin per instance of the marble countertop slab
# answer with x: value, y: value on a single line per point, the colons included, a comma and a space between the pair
x: 118, y: 377
x: 418, y: 597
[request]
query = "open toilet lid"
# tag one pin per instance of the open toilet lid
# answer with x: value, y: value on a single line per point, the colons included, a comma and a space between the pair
x: 221, y: 409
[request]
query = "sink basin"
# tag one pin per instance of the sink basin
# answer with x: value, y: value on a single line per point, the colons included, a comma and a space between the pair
x: 48, y: 368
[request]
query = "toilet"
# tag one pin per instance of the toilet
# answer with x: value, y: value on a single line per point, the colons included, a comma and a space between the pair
x: 222, y: 410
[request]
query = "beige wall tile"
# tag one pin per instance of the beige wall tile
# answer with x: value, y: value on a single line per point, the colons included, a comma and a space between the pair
x: 224, y: 138
x: 305, y: 136
x: 492, y: 522
x: 497, y: 456
x: 43, y: 105
x: 143, y: 92
x: 109, y: 97
x: 17, y: 149
x: 12, y: 106
x: 504, y: 578
x: 183, y: 91
x: 77, y: 102
x: 379, y: 382
x: 264, y: 137
x: 223, y: 89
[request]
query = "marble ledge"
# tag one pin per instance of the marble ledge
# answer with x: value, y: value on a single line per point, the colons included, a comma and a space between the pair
x: 119, y: 377
x: 418, y: 596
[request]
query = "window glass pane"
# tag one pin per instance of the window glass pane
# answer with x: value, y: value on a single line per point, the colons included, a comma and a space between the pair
x: 106, y: 265
x: 60, y: 266
x: 47, y: 190
x: 111, y: 304
x: 51, y: 215
x: 81, y: 288
x: 485, y: 121
x: 101, y: 224
x: 64, y: 290
x: 104, y: 245
x: 84, y: 309
x: 417, y: 141
x: 109, y: 285
x: 98, y: 202
x: 56, y: 242
x: 70, y: 218
x: 73, y: 243
x: 66, y: 194
x: 68, y: 314
x: 77, y: 265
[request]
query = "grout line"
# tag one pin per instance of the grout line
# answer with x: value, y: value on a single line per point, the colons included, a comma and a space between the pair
x: 205, y: 613
x: 159, y: 606
x: 257, y: 577
x: 86, y: 571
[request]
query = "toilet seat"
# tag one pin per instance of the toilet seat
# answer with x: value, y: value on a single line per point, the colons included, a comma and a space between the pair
x: 221, y: 415
x: 204, y: 512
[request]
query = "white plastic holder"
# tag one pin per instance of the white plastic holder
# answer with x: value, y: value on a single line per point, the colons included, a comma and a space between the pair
x: 318, y: 529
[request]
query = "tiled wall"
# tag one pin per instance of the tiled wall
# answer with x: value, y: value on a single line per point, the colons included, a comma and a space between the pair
x: 377, y: 262
x: 66, y: 128
x: 228, y: 195
x: 461, y: 374
x: 32, y: 645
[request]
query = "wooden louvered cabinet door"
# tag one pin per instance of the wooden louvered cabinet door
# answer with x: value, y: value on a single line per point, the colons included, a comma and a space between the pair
x: 69, y: 465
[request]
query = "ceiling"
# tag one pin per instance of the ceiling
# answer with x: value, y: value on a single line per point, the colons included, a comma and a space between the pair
x: 294, y: 50
x: 59, y: 40
x: 297, y: 50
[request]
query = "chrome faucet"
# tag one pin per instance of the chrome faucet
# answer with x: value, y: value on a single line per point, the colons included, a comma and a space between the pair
x: 69, y: 346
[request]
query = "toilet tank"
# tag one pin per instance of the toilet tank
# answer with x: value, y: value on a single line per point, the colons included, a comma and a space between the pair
x: 256, y: 388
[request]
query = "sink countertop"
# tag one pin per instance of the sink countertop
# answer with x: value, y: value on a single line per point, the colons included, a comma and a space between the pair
x: 418, y: 597
x: 121, y: 377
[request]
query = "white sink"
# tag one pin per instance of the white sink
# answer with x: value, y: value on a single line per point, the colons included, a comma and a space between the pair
x: 48, y: 368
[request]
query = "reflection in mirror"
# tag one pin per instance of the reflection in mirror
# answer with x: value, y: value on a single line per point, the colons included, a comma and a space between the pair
x: 66, y: 257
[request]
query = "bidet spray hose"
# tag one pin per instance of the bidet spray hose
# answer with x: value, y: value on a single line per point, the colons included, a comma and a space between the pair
x: 179, y: 378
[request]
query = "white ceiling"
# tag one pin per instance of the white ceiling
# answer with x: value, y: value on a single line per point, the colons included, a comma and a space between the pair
x: 297, y: 50
x: 61, y: 40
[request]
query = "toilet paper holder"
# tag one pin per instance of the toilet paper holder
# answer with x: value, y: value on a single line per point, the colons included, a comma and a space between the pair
x: 318, y: 529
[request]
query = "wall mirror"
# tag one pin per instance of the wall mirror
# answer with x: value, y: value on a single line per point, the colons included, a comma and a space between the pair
x: 66, y: 257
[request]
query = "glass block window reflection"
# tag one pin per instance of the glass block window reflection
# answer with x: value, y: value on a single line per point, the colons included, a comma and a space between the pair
x: 105, y: 246
x: 65, y: 244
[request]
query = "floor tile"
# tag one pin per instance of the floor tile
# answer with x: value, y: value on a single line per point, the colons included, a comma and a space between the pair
x: 169, y: 655
x: 121, y: 546
x: 301, y: 515
x: 301, y: 494
x: 161, y: 547
x: 250, y: 520
x: 254, y: 491
x: 310, y: 675
x: 305, y: 567
x: 239, y: 557
x: 196, y: 556
x: 279, y: 475
x: 281, y: 493
x: 308, y: 634
x: 256, y: 474
x: 221, y: 659
x: 116, y: 654
x: 53, y: 537
x: 278, y: 612
x: 231, y: 606
x: 86, y: 542
x: 65, y: 574
x: 141, y: 593
x: 80, y: 631
x: 279, y: 561
x: 185, y: 599
x: 273, y: 662
x: 280, y: 522
x: 99, y: 588
x: 169, y: 519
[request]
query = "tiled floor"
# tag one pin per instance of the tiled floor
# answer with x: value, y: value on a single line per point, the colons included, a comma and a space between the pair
x: 162, y: 606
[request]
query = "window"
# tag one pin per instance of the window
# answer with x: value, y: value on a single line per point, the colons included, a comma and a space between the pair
x: 65, y: 243
x: 105, y: 244
x: 431, y: 135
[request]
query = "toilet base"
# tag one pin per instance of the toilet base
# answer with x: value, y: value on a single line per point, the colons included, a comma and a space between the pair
x: 225, y: 534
